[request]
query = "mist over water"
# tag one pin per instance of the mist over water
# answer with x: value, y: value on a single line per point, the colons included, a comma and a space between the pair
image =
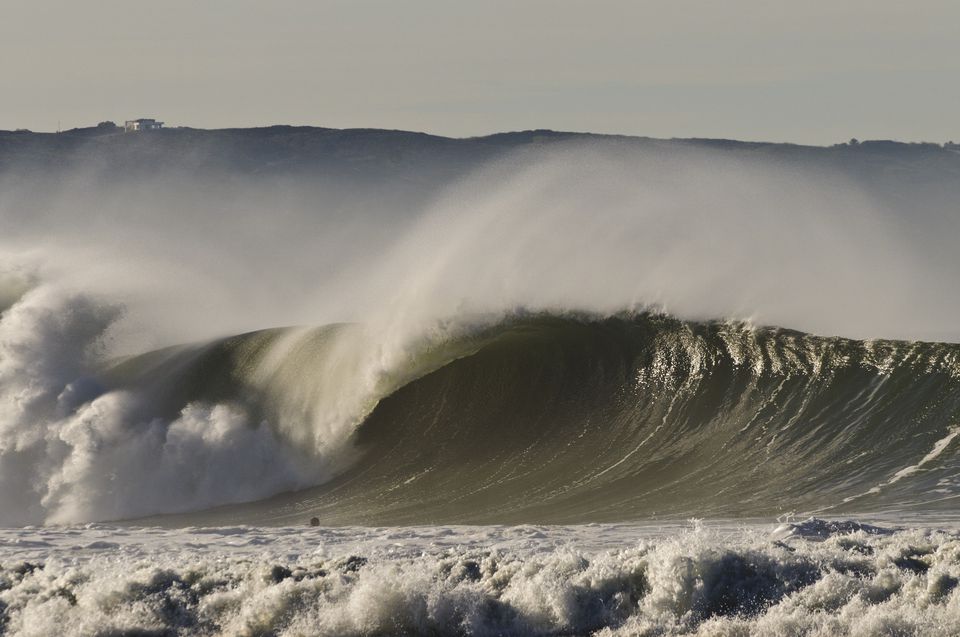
x: 98, y: 268
x: 584, y: 226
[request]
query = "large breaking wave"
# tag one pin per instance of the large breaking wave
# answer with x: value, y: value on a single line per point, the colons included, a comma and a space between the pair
x: 528, y: 417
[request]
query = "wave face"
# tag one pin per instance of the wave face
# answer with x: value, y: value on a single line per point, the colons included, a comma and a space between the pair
x: 551, y: 419
x: 530, y: 418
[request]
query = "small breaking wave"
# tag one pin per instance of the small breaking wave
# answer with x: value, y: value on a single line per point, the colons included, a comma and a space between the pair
x: 595, y: 580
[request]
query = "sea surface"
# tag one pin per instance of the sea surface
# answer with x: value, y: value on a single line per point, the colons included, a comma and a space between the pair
x: 608, y: 387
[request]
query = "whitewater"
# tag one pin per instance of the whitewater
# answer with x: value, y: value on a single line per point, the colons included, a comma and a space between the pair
x: 583, y: 390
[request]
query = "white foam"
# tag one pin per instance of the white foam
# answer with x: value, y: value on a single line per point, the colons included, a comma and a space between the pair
x: 72, y: 452
x: 938, y: 449
x: 700, y: 579
x: 934, y: 453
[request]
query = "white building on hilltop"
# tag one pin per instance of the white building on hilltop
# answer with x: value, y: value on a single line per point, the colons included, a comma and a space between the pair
x: 133, y: 125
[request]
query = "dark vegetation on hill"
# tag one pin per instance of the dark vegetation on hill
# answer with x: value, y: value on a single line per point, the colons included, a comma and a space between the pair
x: 409, y: 165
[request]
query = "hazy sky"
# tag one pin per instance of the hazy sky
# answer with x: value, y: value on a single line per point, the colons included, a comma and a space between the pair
x: 811, y: 72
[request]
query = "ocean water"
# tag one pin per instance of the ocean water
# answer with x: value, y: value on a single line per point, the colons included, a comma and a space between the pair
x: 587, y: 394
x: 539, y: 475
